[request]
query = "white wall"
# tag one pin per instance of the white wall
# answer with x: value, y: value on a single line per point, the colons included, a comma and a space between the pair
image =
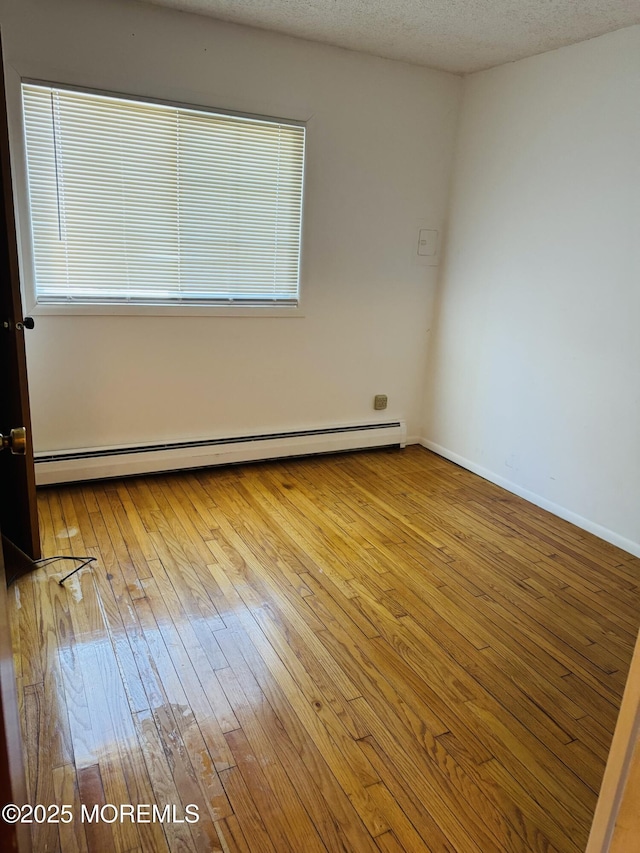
x: 380, y: 136
x: 535, y: 369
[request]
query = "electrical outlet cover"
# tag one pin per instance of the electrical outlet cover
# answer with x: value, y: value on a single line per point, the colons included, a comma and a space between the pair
x: 380, y: 401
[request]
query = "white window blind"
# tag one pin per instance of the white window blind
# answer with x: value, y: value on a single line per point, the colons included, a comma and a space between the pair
x: 136, y: 202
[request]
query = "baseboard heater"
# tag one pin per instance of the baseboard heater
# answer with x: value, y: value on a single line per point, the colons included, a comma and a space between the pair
x: 64, y: 466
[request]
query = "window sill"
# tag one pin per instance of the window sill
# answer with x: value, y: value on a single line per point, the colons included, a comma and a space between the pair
x: 262, y: 311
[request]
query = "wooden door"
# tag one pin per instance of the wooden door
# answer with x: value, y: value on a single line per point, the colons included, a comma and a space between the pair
x: 616, y: 823
x: 18, y: 511
x: 13, y: 787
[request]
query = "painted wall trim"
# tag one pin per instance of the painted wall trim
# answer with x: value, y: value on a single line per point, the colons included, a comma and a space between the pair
x: 584, y: 523
x: 65, y: 466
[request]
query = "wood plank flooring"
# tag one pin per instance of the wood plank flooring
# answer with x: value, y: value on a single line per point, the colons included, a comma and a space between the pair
x: 368, y: 652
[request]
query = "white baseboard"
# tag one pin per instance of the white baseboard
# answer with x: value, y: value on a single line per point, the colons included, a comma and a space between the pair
x: 103, y: 462
x: 584, y: 523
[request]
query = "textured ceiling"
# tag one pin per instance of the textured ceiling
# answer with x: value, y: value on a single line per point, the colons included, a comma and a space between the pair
x: 454, y: 35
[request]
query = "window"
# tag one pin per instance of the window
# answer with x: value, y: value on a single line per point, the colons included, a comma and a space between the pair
x: 145, y: 203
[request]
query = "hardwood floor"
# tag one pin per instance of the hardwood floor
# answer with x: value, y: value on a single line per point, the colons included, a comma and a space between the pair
x: 367, y: 652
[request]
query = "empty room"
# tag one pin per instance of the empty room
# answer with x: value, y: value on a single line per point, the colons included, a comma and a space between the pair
x: 320, y: 426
